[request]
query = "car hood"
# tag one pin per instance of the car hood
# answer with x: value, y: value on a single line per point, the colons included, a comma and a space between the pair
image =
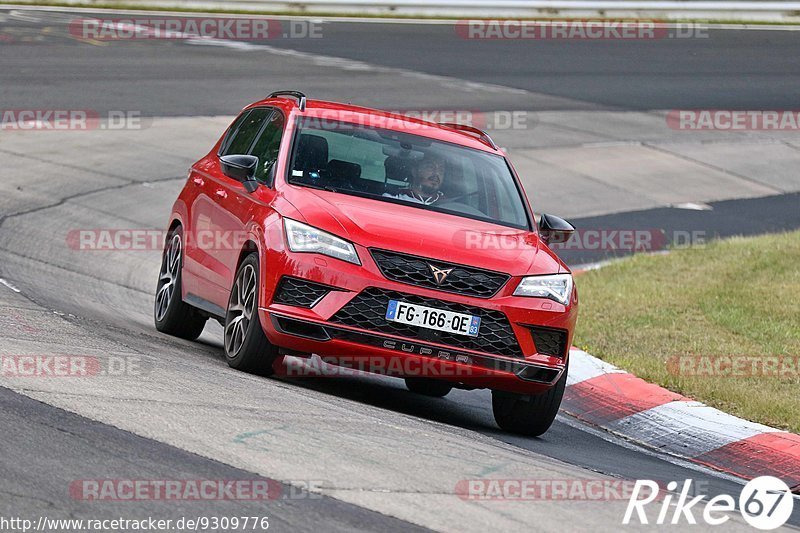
x: 386, y: 225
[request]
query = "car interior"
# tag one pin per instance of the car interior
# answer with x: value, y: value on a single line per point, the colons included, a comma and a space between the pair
x: 379, y: 164
x: 313, y: 160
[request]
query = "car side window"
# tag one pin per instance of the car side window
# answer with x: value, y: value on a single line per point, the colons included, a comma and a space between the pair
x: 231, y: 133
x: 244, y: 135
x: 267, y: 146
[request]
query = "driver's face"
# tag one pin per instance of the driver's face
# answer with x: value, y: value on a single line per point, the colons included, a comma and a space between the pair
x: 430, y: 175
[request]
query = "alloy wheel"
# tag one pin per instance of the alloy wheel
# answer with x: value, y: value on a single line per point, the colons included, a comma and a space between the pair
x: 167, y: 279
x: 240, y: 310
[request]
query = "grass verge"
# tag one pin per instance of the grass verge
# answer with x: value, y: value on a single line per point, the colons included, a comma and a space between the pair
x: 653, y: 315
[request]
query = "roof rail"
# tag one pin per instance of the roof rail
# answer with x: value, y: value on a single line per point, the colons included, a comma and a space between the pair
x: 471, y: 129
x: 301, y: 98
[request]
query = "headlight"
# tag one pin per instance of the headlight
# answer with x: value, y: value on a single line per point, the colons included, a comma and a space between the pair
x: 304, y: 238
x: 557, y: 287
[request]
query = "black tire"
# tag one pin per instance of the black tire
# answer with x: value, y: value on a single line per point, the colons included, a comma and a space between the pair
x: 246, y: 346
x: 528, y: 415
x: 171, y: 314
x: 429, y: 387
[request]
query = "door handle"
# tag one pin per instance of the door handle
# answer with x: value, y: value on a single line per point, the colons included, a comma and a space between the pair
x: 221, y: 193
x: 198, y: 181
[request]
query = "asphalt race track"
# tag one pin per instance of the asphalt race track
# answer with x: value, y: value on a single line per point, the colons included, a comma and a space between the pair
x: 727, y: 70
x: 378, y: 457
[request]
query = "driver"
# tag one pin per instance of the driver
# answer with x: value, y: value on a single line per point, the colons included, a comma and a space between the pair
x: 427, y: 176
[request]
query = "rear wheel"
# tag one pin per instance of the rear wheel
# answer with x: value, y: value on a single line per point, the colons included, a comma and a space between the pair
x: 428, y: 387
x: 171, y: 314
x: 246, y: 346
x: 530, y: 415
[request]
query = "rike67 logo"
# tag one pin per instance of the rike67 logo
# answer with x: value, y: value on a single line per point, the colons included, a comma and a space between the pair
x: 765, y: 503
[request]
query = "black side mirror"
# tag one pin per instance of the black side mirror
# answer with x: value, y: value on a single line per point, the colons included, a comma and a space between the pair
x: 555, y: 230
x: 241, y: 168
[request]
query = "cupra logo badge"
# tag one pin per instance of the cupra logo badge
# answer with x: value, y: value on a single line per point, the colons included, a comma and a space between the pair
x: 440, y: 274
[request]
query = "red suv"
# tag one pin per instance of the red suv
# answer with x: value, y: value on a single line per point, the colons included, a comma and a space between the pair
x: 371, y: 238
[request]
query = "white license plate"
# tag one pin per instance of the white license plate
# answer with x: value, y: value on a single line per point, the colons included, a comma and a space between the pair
x: 431, y: 318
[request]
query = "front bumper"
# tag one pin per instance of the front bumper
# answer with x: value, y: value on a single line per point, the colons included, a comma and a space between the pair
x: 319, y: 328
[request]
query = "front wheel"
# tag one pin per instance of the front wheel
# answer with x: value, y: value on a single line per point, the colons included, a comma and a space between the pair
x: 171, y: 314
x: 246, y: 346
x: 530, y: 415
x: 428, y: 387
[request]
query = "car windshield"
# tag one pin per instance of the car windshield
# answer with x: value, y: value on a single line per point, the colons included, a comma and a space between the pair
x: 399, y: 167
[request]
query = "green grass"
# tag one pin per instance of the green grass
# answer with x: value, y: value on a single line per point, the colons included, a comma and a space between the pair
x: 739, y: 296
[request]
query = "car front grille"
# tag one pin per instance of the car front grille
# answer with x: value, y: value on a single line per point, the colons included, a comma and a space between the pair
x: 299, y: 292
x: 368, y: 311
x: 418, y: 271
